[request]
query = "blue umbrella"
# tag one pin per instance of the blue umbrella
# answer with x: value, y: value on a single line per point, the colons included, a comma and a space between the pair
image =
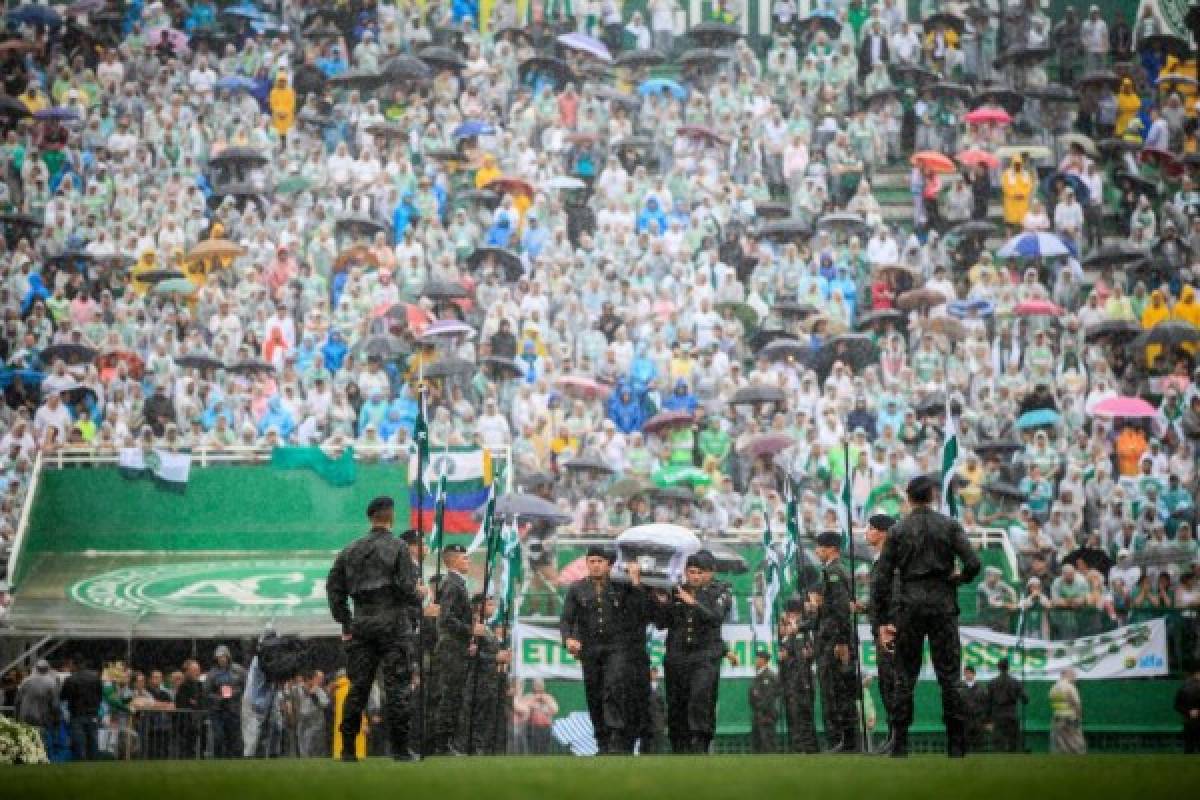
x: 1081, y: 191
x: 965, y: 308
x: 236, y: 83
x: 247, y: 10
x: 35, y: 15
x: 1041, y: 418
x: 1034, y: 245
x: 30, y: 376
x: 659, y: 85
x: 472, y: 127
x: 56, y: 114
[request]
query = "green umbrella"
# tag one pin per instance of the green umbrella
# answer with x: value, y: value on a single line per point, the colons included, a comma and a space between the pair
x: 180, y: 286
x: 628, y: 488
x: 744, y: 314
x: 293, y: 184
x: 675, y: 475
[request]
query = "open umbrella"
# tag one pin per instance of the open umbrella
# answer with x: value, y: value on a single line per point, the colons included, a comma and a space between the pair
x: 767, y: 444
x: 961, y: 309
x: 443, y: 290
x: 1113, y: 255
x: 209, y: 249
x: 159, y: 275
x: 714, y: 34
x: 12, y: 108
x: 754, y: 395
x: 29, y: 377
x: 482, y: 196
x: 502, y: 368
x: 78, y: 393
x: 1171, y: 45
x: 35, y: 15
x: 1033, y: 245
x: 472, y: 128
x: 660, y: 85
x: 824, y: 21
x: 912, y: 74
x: 384, y: 348
x: 700, y: 132
x: 554, y: 68
x: 1130, y: 407
x: 235, y: 83
x: 1038, y: 308
x: 944, y: 19
x: 564, y: 183
x: 177, y: 38
x: 199, y: 361
x: 882, y: 96
x: 668, y: 420
x: 742, y: 312
x: 362, y: 80
x: 358, y: 225
x: 1053, y: 93
x: 1049, y: 185
x: 900, y: 272
x: 239, y: 156
x: 997, y: 447
x: 880, y: 319
x: 988, y: 115
x: 1004, y: 490
x: 1041, y: 418
x: 441, y: 58
x: 640, y: 59
x: 785, y: 349
x: 841, y: 221
x: 1116, y: 331
x: 933, y: 161
x: 413, y: 316
x: 1085, y: 142
x: 1023, y: 56
x: 1136, y: 183
x: 1098, y: 79
x: 1171, y: 333
x: 702, y: 58
x: 447, y: 327
x: 68, y: 354
x: 792, y: 229
x: 588, y: 462
x: 1030, y: 152
x: 530, y: 507
x: 406, y: 68
x: 946, y: 326
x: 56, y: 114
x: 856, y: 350
x: 975, y: 158
x: 915, y: 299
x: 582, y: 386
x: 588, y: 45
x: 174, y: 286
x: 450, y: 368
x: 513, y: 33
x: 791, y: 310
x: 507, y: 260
x: 510, y: 185
x: 945, y: 89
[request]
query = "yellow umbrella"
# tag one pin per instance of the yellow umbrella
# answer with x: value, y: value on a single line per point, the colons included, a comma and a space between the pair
x: 215, y: 249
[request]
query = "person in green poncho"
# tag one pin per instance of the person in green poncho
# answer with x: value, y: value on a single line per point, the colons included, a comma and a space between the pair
x: 715, y: 443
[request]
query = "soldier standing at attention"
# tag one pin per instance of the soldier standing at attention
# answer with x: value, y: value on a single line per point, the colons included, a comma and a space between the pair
x: 877, y: 532
x: 914, y: 596
x: 692, y: 617
x: 481, y: 691
x: 763, y: 699
x: 378, y: 575
x: 835, y: 645
x: 456, y: 627
x: 796, y: 677
x: 976, y: 698
x: 603, y: 625
x: 1004, y: 693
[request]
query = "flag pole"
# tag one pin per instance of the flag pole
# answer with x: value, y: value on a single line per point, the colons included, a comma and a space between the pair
x: 487, y: 577
x: 421, y: 435
x: 862, y: 716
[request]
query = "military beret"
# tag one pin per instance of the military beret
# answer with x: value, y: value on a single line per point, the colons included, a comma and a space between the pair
x: 921, y: 488
x: 380, y: 504
x: 454, y: 548
x: 794, y: 604
x: 600, y: 551
x: 829, y: 539
x: 881, y: 522
x: 762, y: 653
x: 411, y: 536
x: 702, y: 559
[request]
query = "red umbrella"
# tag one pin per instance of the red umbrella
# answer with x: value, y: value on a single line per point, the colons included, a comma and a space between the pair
x: 415, y: 317
x: 988, y: 115
x: 699, y: 132
x: 1134, y: 407
x: 1164, y: 160
x: 975, y: 157
x: 507, y: 185
x: 666, y: 420
x: 768, y: 444
x: 1037, y: 308
x: 582, y: 386
x: 933, y: 161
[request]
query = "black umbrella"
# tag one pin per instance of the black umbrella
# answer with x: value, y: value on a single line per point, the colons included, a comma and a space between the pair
x: 159, y: 275
x: 782, y: 349
x: 1171, y: 333
x: 509, y: 261
x: 948, y: 89
x: 977, y: 227
x: 239, y: 157
x: 882, y: 95
x: 513, y: 33
x: 552, y: 67
x: 672, y: 493
x: 530, y: 507
x: 753, y: 395
x: 792, y: 229
x: 443, y: 290
x: 358, y: 79
x: 841, y: 221
x: 944, y: 19
x: 199, y: 361
x: 911, y: 73
x: 611, y: 95
x: 1111, y: 148
x: 700, y: 58
x: 68, y: 353
x: 450, y: 368
x: 1094, y: 557
x: 20, y: 222
x: 1005, y: 490
x: 1098, y: 79
x: 358, y: 225
x: 640, y: 58
x: 1137, y: 184
x: 502, y: 368
x: 308, y: 79
x: 878, y: 319
x: 985, y: 448
x: 931, y: 406
x: 823, y: 21
x: 442, y: 58
x: 1008, y: 99
x: 1024, y: 56
x: 535, y: 479
x: 589, y: 463
x: 854, y: 349
x: 484, y: 197
x: 1171, y: 45
x: 764, y: 336
x: 73, y: 395
x: 388, y: 130
x: 728, y: 560
x: 789, y: 310
x: 1114, y: 330
x: 771, y: 209
x: 13, y: 108
x: 252, y: 366
x: 242, y: 192
x: 714, y: 34
x: 1113, y: 255
x: 322, y: 30
x: 406, y: 68
x: 1053, y: 93
x: 384, y: 347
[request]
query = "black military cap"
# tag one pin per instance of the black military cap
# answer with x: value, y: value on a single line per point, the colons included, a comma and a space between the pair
x: 921, y: 488
x: 881, y: 522
x: 829, y: 539
x: 600, y: 551
x: 380, y: 504
x: 761, y: 653
x: 795, y: 604
x: 410, y: 536
x: 454, y: 548
x: 702, y: 559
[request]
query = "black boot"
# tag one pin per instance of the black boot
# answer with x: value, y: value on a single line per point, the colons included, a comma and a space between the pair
x: 885, y: 748
x: 899, y: 748
x: 348, y: 751
x: 956, y: 740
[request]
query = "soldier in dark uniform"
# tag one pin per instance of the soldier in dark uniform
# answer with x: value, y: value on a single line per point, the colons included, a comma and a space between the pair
x: 1004, y: 693
x: 456, y: 626
x: 481, y: 691
x: 692, y: 616
x: 914, y: 595
x: 603, y: 625
x: 763, y: 698
x: 377, y: 573
x: 877, y: 531
x: 424, y: 630
x: 835, y: 646
x: 655, y: 741
x: 796, y: 677
x: 975, y: 698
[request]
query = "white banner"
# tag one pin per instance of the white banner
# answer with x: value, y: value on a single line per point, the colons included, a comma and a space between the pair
x: 1134, y: 651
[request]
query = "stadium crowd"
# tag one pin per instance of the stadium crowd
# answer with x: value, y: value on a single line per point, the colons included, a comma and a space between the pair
x: 234, y: 228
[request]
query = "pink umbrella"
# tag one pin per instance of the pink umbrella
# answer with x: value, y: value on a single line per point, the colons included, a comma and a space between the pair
x: 582, y: 386
x: 976, y: 157
x: 666, y: 420
x: 988, y: 115
x: 1037, y: 308
x: 768, y: 444
x: 1134, y: 407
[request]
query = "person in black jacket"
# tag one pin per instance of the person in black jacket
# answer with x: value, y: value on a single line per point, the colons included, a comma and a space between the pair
x: 378, y: 574
x: 82, y: 692
x: 456, y: 632
x: 603, y: 625
x: 692, y: 616
x: 1187, y: 703
x: 873, y: 50
x: 190, y: 701
x: 835, y: 649
x: 504, y: 344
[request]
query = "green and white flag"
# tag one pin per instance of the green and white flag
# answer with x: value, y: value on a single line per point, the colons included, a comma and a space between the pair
x: 772, y: 584
x: 512, y: 571
x: 949, y: 460
x: 792, y: 548
x: 439, y: 516
x: 172, y: 468
x: 485, y: 526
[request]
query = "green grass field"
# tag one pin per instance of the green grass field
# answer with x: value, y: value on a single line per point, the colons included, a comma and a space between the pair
x: 741, y: 777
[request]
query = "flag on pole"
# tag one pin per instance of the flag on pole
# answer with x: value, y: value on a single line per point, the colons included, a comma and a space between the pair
x: 949, y: 459
x: 485, y: 526
x: 772, y: 579
x: 792, y: 549
x: 847, y: 502
x: 439, y: 516
x: 512, y: 572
